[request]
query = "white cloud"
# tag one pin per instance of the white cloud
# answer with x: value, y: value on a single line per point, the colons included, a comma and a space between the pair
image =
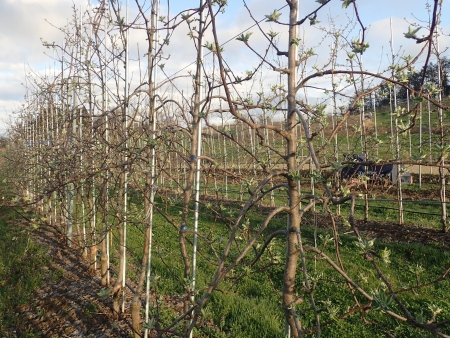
x: 23, y: 23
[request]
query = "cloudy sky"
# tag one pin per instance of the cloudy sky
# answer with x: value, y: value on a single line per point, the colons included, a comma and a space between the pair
x: 24, y: 23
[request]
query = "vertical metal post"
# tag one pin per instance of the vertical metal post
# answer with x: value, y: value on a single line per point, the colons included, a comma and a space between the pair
x: 125, y: 135
x: 397, y: 144
x: 71, y: 186
x: 430, y: 140
x: 420, y: 144
x: 105, y: 108
x: 152, y: 179
x: 80, y: 137
x: 375, y: 119
x: 199, y: 152
x: 441, y: 142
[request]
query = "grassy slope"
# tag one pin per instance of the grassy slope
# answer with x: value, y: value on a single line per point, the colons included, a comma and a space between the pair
x: 21, y: 270
x: 251, y: 307
x: 21, y: 263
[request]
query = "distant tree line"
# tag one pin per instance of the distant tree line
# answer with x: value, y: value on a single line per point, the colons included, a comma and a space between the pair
x: 415, y: 79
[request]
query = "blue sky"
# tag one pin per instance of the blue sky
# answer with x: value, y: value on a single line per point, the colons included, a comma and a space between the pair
x: 24, y: 22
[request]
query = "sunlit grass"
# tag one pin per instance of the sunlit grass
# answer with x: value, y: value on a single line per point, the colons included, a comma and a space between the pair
x: 251, y: 306
x: 21, y: 270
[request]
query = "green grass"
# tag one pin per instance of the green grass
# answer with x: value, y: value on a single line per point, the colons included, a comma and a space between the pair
x: 251, y: 306
x: 22, y: 263
x: 425, y: 214
x: 405, y: 258
x: 21, y: 271
x: 384, y: 148
x: 229, y: 310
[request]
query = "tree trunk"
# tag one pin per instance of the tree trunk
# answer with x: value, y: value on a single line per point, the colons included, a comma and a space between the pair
x: 292, y: 250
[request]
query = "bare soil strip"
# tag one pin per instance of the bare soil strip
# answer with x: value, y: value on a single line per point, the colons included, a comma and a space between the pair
x: 68, y: 305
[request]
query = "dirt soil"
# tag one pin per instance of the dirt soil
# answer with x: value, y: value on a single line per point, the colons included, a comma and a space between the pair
x: 69, y: 305
x: 387, y: 231
x: 405, y: 233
